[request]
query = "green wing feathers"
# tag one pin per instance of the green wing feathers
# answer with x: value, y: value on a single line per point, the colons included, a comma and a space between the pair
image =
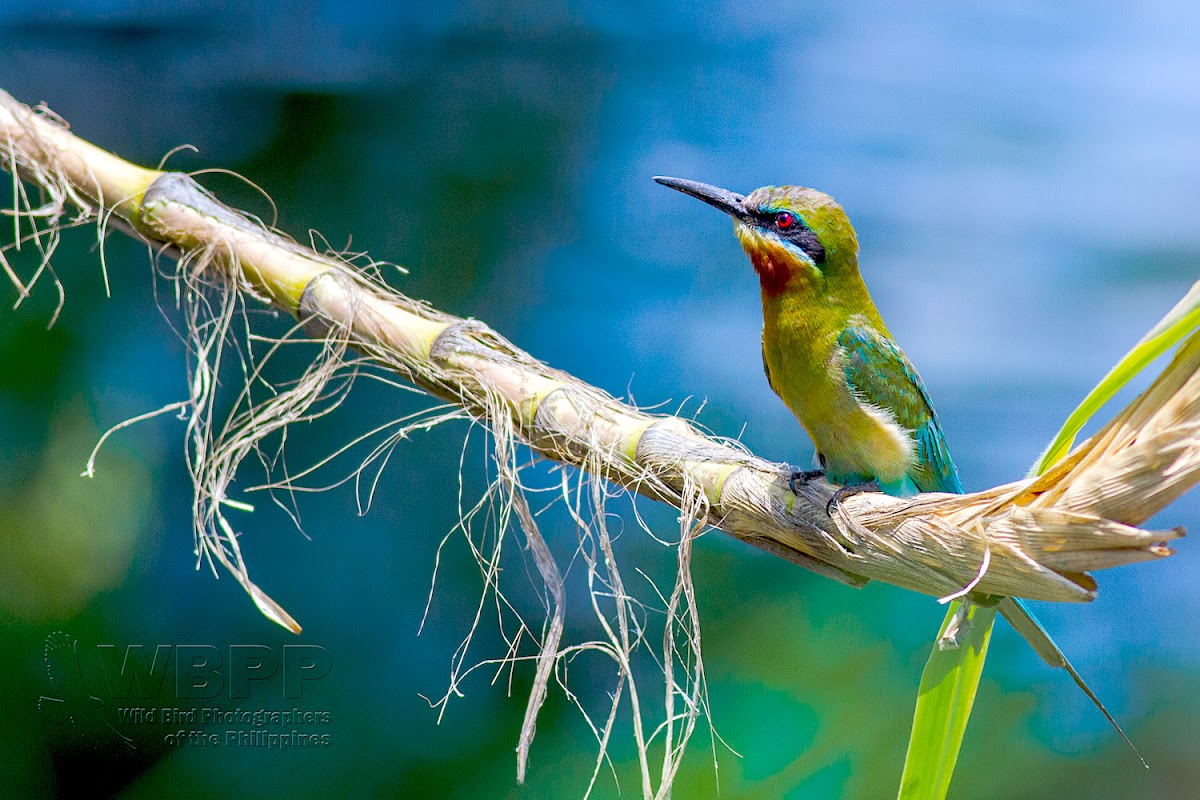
x: 879, y: 373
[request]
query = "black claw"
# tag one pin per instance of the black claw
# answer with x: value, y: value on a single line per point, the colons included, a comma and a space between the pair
x: 802, y: 477
x: 849, y: 491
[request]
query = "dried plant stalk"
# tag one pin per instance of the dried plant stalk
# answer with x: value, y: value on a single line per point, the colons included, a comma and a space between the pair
x: 931, y: 543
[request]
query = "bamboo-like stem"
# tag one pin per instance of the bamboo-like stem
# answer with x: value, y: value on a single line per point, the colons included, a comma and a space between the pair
x: 998, y: 542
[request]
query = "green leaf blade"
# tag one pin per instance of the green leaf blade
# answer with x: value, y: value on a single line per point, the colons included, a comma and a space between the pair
x: 951, y: 677
x: 1178, y: 323
x: 947, y: 693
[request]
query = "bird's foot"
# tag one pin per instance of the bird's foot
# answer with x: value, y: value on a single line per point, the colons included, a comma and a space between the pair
x: 801, y: 477
x: 849, y: 491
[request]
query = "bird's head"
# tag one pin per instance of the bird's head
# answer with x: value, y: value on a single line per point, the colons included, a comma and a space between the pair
x: 795, y: 237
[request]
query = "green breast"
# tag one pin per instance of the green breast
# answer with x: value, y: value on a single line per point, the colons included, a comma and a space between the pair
x: 807, y: 365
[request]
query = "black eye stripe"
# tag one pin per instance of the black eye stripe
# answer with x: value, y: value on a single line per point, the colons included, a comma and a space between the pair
x: 798, y: 233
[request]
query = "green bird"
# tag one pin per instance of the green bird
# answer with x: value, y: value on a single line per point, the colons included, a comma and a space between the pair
x: 831, y: 359
x: 826, y: 351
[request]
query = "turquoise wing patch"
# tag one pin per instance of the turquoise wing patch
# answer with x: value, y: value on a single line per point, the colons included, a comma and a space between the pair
x: 879, y: 372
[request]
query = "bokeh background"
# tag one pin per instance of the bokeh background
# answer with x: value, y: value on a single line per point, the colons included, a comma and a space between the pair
x: 1025, y: 182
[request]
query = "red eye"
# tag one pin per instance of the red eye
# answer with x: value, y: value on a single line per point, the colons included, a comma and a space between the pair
x: 785, y: 220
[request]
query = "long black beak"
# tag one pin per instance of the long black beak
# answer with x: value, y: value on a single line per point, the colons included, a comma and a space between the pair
x: 725, y: 200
